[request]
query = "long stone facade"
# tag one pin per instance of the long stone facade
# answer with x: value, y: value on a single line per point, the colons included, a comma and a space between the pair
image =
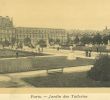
x: 36, y: 34
x: 8, y: 31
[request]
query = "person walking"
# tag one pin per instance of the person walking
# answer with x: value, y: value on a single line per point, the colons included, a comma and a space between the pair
x: 90, y: 51
x: 17, y: 54
x: 97, y: 49
x: 86, y: 53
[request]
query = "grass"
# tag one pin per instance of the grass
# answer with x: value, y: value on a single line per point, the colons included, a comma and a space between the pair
x: 83, y: 48
x: 77, y: 79
x: 62, y: 61
x: 7, y: 53
x: 40, y: 63
x: 9, y: 84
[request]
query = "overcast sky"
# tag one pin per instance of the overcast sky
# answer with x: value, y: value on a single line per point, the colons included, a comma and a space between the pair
x: 69, y: 14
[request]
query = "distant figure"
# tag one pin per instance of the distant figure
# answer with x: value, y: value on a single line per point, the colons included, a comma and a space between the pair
x: 90, y: 53
x: 38, y: 50
x: 72, y: 48
x: 100, y: 51
x: 42, y: 49
x: 3, y: 46
x: 35, y: 52
x: 97, y: 50
x: 58, y: 48
x: 86, y: 53
x: 17, y: 54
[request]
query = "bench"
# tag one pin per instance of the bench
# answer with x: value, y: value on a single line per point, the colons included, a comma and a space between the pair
x: 55, y: 71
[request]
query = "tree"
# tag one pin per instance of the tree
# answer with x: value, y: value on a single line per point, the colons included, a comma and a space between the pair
x: 51, y: 41
x: 105, y: 40
x: 109, y: 37
x: 20, y: 45
x: 13, y: 41
x: 27, y: 41
x: 57, y: 41
x: 69, y: 40
x: 42, y: 44
x: 76, y: 40
x: 86, y: 39
x: 5, y: 43
x: 101, y: 69
x: 97, y: 39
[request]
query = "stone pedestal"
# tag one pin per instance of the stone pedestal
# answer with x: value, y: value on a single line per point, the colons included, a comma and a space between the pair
x: 71, y: 56
x: 108, y: 47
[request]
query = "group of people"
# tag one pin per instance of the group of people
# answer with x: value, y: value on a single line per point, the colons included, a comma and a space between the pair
x: 88, y: 53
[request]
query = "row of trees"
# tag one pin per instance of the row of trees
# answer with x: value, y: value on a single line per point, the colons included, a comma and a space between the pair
x: 96, y: 39
x: 85, y: 39
x: 6, y: 42
x: 27, y: 42
x: 13, y: 41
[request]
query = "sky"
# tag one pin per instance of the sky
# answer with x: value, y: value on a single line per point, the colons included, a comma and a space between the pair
x: 68, y: 14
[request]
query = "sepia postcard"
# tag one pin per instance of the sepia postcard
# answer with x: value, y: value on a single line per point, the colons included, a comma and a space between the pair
x: 54, y: 49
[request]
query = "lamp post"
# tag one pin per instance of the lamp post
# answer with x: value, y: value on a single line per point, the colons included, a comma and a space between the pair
x: 107, y: 49
x: 108, y: 46
x: 47, y: 39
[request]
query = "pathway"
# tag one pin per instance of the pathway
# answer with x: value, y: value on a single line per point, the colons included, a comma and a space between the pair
x: 17, y: 77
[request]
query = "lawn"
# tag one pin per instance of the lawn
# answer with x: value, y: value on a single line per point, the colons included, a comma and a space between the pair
x: 7, y: 53
x: 9, y: 84
x: 58, y: 62
x: 40, y: 63
x: 83, y: 48
x: 77, y: 79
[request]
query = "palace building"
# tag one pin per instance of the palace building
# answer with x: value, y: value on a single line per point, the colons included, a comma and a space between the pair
x: 6, y: 28
x: 8, y: 31
x: 6, y: 22
x: 36, y: 34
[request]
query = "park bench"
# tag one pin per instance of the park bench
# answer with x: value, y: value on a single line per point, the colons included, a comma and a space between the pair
x: 55, y: 71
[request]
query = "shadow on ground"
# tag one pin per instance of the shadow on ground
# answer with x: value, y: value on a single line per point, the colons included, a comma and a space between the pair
x: 77, y: 79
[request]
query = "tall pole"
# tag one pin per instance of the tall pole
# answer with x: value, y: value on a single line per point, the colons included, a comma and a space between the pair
x: 47, y: 39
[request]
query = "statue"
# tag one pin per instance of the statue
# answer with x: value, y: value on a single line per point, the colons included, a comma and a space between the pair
x: 108, y: 42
